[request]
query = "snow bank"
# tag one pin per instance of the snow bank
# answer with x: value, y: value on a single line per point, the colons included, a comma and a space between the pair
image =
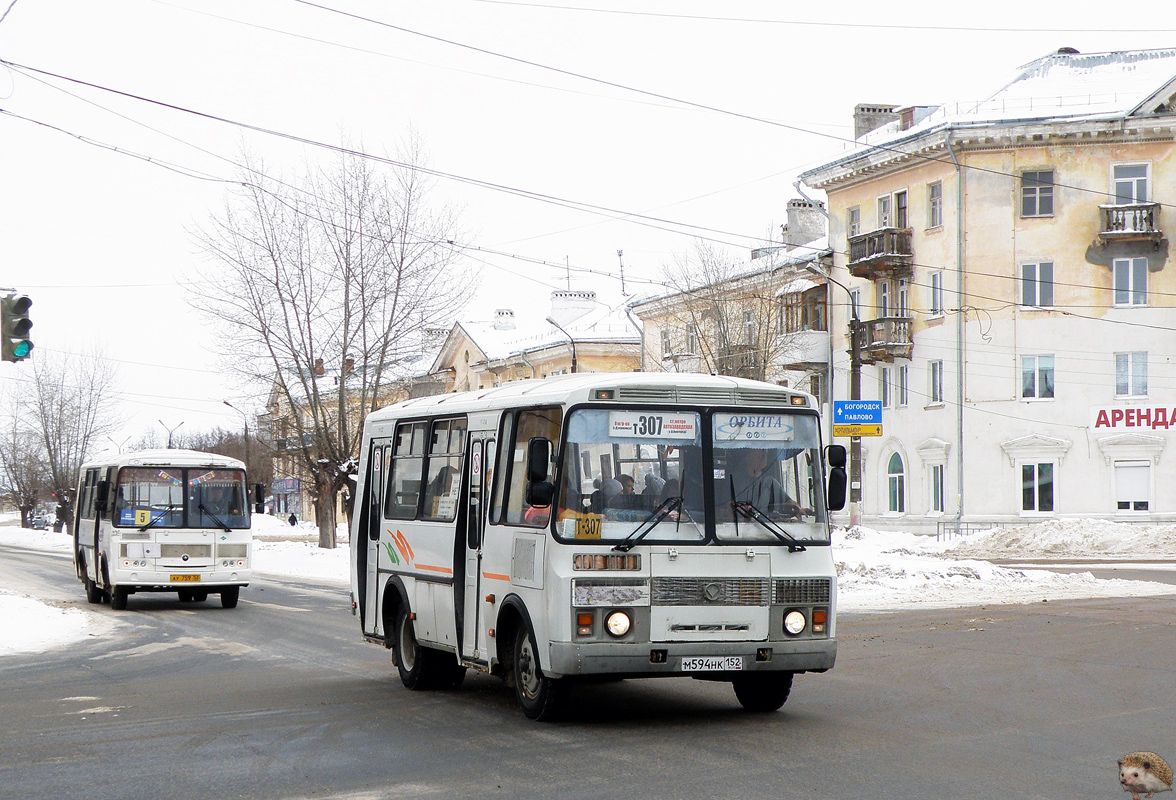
x: 28, y: 625
x: 1071, y: 538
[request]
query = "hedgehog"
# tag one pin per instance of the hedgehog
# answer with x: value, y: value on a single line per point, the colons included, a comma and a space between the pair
x: 1144, y: 772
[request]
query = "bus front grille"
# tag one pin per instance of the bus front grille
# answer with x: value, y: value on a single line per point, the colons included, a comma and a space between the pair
x: 710, y: 591
x: 181, y: 550
x: 802, y: 591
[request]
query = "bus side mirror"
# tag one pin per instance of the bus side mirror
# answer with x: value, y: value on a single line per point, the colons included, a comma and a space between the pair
x: 102, y: 496
x: 540, y: 491
x: 835, y: 493
x: 259, y: 498
x: 538, y: 457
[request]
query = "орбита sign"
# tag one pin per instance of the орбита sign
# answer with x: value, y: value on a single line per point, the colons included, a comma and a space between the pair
x: 857, y: 417
x: 1119, y: 418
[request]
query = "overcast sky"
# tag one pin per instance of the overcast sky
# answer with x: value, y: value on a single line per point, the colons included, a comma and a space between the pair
x: 696, y: 115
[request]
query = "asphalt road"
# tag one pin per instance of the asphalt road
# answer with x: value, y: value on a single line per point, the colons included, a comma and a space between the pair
x: 279, y: 698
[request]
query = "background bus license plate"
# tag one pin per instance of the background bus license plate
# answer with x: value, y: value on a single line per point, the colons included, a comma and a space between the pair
x: 711, y: 663
x: 185, y: 578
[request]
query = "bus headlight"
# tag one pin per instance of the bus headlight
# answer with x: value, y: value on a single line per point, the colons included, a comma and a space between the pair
x: 618, y: 623
x: 794, y: 623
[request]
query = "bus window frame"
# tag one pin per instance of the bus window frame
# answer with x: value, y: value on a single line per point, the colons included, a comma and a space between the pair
x: 505, y: 456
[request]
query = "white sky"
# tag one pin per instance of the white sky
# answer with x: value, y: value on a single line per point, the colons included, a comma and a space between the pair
x: 100, y: 240
x: 877, y: 571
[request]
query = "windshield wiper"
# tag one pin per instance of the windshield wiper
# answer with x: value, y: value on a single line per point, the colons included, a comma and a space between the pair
x: 153, y: 519
x: 746, y: 509
x: 654, y: 519
x: 215, y: 518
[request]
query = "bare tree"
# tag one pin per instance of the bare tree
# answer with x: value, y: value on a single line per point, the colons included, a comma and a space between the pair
x: 62, y: 413
x: 723, y: 315
x: 321, y: 286
x: 22, y: 468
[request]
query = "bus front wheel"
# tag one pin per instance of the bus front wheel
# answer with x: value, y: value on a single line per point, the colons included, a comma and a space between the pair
x: 765, y: 691
x: 94, y: 593
x: 541, y: 697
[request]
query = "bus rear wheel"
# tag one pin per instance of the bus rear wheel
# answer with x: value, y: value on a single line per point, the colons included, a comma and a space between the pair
x: 765, y: 691
x: 118, y: 598
x: 229, y: 596
x: 540, y: 697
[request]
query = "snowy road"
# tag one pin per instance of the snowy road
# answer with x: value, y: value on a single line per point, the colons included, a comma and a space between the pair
x: 279, y: 698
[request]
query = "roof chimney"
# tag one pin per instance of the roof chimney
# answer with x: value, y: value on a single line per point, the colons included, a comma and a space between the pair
x: 504, y: 319
x: 806, y: 222
x: 568, y: 305
x: 871, y: 116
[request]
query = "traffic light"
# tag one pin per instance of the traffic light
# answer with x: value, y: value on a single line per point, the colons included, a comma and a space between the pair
x: 15, y: 324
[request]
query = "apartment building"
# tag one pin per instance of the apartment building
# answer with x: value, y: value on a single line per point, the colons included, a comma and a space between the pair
x: 1008, y: 258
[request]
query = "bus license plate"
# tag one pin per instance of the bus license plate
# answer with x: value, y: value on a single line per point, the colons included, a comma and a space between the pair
x: 185, y: 578
x: 711, y: 663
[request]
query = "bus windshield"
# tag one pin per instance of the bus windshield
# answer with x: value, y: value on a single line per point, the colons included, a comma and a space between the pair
x: 767, y: 477
x: 174, y: 497
x: 625, y: 469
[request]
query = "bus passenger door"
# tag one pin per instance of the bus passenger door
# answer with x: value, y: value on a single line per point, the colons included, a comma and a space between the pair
x: 481, y: 450
x: 377, y: 466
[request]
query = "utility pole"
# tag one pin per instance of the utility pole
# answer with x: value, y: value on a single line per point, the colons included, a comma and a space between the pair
x: 245, y: 419
x: 856, y: 336
x: 170, y: 431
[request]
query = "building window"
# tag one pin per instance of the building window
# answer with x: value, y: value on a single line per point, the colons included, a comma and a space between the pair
x: 900, y: 209
x: 936, y: 294
x: 884, y: 388
x: 749, y: 327
x: 1132, y: 485
x: 901, y: 395
x: 667, y: 348
x: 691, y: 339
x: 1037, y: 487
x: 1037, y: 377
x: 855, y: 302
x: 936, y: 479
x: 936, y: 381
x: 1037, y: 193
x: 896, y: 485
x: 854, y: 221
x: 934, y: 205
x: 817, y: 387
x: 1130, y: 281
x: 1131, y: 374
x: 884, y: 211
x: 1037, y: 284
x: 1129, y: 183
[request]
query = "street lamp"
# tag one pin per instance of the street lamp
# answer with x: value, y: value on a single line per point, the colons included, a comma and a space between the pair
x: 855, y: 393
x: 245, y: 419
x: 570, y: 340
x: 170, y: 431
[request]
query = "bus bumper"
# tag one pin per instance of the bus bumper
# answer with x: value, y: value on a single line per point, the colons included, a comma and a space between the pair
x: 665, y: 658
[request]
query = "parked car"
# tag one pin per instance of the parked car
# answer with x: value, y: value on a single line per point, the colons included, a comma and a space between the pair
x: 40, y: 523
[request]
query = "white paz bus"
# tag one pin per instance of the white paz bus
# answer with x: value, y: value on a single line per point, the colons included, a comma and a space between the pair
x: 163, y: 521
x: 596, y: 525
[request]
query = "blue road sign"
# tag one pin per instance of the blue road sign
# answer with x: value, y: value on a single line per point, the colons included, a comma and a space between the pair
x: 857, y: 412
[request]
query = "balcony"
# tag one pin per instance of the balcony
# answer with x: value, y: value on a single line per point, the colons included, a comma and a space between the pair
x: 1130, y: 222
x: 884, y: 253
x: 885, y: 339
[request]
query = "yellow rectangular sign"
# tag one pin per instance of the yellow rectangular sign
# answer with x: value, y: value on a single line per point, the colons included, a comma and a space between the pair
x: 857, y: 430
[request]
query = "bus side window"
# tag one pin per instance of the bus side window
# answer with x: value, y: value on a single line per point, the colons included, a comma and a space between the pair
x: 404, y: 482
x: 545, y: 423
x: 443, y: 475
x: 505, y: 442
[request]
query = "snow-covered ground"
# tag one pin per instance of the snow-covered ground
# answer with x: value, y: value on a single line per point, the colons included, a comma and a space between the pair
x: 877, y: 571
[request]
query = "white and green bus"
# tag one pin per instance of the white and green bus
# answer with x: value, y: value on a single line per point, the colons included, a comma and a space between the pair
x: 595, y: 525
x: 163, y: 521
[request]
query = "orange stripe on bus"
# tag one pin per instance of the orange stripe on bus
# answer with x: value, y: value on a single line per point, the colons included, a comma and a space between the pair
x: 404, y: 544
x: 495, y: 576
x: 443, y: 570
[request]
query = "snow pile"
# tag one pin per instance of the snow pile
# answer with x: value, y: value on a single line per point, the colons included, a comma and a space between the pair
x: 303, y: 559
x: 30, y: 626
x: 879, y: 571
x: 1071, y: 538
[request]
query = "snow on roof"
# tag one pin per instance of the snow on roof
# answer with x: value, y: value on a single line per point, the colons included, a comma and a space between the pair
x: 1059, y: 87
x: 529, y: 332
